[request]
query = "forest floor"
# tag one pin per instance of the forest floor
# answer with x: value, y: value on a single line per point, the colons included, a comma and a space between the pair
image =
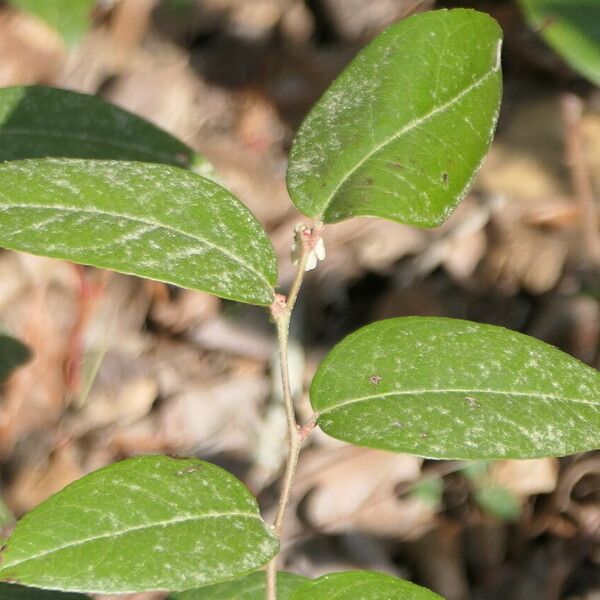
x: 124, y: 366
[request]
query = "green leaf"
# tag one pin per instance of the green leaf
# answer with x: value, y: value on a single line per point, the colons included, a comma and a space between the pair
x: 403, y: 130
x: 362, y: 585
x: 446, y: 388
x: 13, y: 354
x: 18, y: 592
x: 39, y: 122
x: 150, y: 220
x: 71, y: 18
x: 572, y: 28
x: 251, y: 587
x: 498, y: 502
x: 146, y: 523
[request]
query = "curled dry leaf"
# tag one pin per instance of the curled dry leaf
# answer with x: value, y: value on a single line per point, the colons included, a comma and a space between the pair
x: 526, y: 257
x: 526, y: 477
x: 164, y: 95
x: 122, y: 404
x: 38, y: 481
x: 33, y: 399
x: 585, y: 511
x: 186, y: 310
x: 354, y: 488
x: 218, y: 417
x: 31, y: 51
x: 362, y: 19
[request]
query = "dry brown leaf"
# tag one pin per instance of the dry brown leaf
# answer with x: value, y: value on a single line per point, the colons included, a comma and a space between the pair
x: 30, y: 51
x: 526, y: 162
x: 363, y: 19
x: 164, y: 94
x: 124, y: 404
x: 35, y: 483
x: 188, y: 309
x: 232, y: 337
x: 355, y: 488
x: 440, y: 563
x: 34, y: 396
x: 214, y: 418
x: 525, y: 256
x: 526, y: 477
x: 297, y: 22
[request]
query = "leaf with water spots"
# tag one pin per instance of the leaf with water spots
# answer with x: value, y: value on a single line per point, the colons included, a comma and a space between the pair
x: 13, y: 354
x: 403, y: 130
x: 71, y: 18
x: 572, y: 28
x: 251, y: 587
x: 19, y: 592
x: 41, y: 122
x: 147, y: 523
x: 446, y: 388
x: 362, y: 585
x: 150, y: 220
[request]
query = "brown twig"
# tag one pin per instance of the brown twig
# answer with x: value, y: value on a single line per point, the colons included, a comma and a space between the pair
x: 281, y: 311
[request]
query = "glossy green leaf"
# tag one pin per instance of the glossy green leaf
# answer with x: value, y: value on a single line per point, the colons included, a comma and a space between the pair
x: 572, y: 28
x: 403, y: 130
x: 40, y: 122
x: 151, y: 220
x: 446, y: 388
x: 71, y: 18
x: 251, y: 587
x: 146, y: 523
x: 362, y: 585
x: 18, y: 592
x: 13, y: 354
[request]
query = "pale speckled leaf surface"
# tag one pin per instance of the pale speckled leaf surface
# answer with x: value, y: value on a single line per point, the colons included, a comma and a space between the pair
x: 572, y: 28
x: 19, y: 592
x: 41, y: 122
x: 403, y: 130
x: 147, y: 523
x: 150, y: 220
x: 251, y: 587
x: 13, y: 354
x: 446, y: 388
x: 362, y: 585
x: 71, y: 18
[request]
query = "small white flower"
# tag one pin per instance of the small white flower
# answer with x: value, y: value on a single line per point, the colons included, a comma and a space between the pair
x: 316, y: 254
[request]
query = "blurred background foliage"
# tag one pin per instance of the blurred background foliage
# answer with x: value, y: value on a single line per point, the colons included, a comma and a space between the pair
x: 118, y: 366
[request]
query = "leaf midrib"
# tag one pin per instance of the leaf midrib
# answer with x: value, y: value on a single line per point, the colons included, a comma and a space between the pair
x: 422, y: 392
x: 111, y: 534
x: 138, y: 220
x: 100, y: 142
x: 409, y: 127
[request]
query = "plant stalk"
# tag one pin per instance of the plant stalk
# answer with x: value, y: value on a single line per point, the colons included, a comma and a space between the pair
x: 281, y: 310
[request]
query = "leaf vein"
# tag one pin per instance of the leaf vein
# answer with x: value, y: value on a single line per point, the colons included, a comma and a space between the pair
x: 409, y: 127
x: 422, y: 392
x: 113, y: 534
x: 148, y: 223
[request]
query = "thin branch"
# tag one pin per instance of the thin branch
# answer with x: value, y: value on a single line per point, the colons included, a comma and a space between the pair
x: 292, y: 426
x: 281, y: 310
